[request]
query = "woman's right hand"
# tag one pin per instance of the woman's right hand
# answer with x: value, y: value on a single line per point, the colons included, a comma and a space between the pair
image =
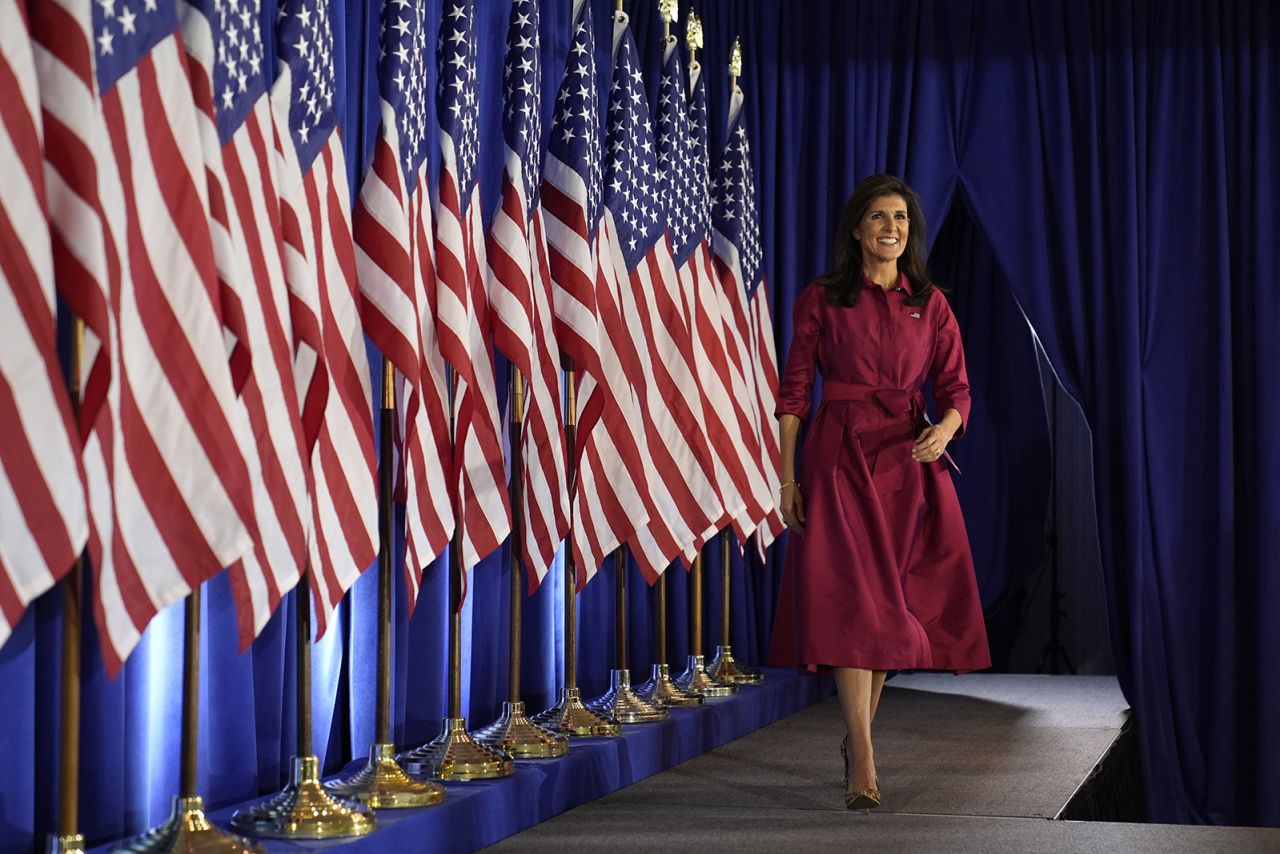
x: 793, y: 508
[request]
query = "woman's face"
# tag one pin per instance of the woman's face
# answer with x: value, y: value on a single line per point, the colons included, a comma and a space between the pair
x: 882, y: 231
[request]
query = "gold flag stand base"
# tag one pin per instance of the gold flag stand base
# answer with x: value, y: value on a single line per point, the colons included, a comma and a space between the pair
x: 304, y: 810
x: 571, y: 718
x: 624, y: 705
x: 724, y: 668
x: 188, y: 831
x: 72, y: 843
x: 521, y: 737
x: 696, y: 679
x: 455, y: 755
x: 661, y: 689
x: 383, y: 784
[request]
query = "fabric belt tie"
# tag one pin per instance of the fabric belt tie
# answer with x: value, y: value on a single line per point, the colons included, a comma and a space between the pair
x: 894, y: 402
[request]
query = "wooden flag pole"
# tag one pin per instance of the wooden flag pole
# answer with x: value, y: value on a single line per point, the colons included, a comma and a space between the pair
x: 69, y: 838
x: 513, y: 731
x: 382, y: 783
x: 569, y: 716
x: 723, y: 666
x: 304, y: 809
x: 454, y: 754
x: 696, y: 678
x: 187, y: 828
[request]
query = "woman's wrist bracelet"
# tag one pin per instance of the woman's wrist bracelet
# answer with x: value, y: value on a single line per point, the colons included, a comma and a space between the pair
x: 788, y: 483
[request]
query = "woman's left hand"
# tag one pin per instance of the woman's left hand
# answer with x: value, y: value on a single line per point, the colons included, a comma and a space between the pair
x: 931, y: 443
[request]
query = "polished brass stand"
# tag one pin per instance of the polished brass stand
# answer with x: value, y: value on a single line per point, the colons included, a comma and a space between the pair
x: 661, y: 688
x: 620, y: 702
x: 569, y: 717
x: 723, y: 667
x: 695, y: 679
x: 514, y: 732
x: 454, y: 754
x: 382, y: 783
x: 303, y: 809
x: 187, y: 829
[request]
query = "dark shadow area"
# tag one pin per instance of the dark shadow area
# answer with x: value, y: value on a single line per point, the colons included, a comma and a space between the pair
x: 1027, y: 486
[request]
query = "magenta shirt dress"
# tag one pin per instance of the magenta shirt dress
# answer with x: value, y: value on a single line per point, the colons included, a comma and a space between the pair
x: 883, y: 578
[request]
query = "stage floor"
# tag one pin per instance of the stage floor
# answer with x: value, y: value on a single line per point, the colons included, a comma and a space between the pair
x: 972, y: 763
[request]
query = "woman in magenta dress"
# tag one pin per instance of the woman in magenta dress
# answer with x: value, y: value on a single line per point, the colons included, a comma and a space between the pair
x: 878, y: 573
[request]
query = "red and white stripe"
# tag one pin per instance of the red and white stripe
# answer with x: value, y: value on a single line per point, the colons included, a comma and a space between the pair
x: 395, y: 260
x: 749, y: 340
x: 764, y: 359
x: 331, y: 366
x: 610, y: 488
x: 679, y: 461
x: 731, y: 427
x: 521, y: 298
x: 247, y: 238
x: 168, y: 487
x: 483, y: 506
x: 43, y: 516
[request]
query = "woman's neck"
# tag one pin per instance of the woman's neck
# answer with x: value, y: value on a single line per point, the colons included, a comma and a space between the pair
x: 884, y: 274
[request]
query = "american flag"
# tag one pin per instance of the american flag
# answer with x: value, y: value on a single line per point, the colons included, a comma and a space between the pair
x: 520, y: 293
x: 685, y: 191
x: 168, y: 486
x: 395, y: 257
x: 736, y: 241
x: 640, y: 273
x: 43, y: 518
x: 462, y: 321
x: 609, y: 489
x: 229, y: 82
x: 331, y: 368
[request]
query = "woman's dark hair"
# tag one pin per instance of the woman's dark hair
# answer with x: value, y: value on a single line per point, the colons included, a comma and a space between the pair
x: 844, y: 281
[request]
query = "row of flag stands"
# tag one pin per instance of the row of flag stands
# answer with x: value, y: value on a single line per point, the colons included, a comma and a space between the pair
x: 200, y: 230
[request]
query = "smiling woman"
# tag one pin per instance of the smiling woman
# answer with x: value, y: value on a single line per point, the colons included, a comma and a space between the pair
x: 878, y: 572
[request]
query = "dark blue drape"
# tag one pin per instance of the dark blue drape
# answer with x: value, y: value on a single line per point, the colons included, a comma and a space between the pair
x: 1104, y: 168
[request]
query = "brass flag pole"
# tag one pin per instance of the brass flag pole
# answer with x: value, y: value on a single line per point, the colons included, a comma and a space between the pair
x: 621, y: 702
x: 304, y: 809
x: 695, y: 679
x: 454, y: 754
x: 69, y: 840
x: 661, y: 687
x: 513, y: 731
x: 569, y: 716
x: 723, y: 666
x: 187, y: 829
x: 382, y: 783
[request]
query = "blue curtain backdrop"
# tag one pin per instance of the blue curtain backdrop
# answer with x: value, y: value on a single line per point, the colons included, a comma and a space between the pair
x: 1104, y: 168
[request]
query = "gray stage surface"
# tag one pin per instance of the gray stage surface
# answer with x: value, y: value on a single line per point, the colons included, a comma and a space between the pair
x: 972, y: 763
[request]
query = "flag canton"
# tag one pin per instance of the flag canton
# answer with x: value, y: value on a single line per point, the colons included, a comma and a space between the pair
x: 631, y: 188
x: 456, y: 103
x: 735, y: 211
x: 575, y: 134
x: 305, y: 44
x: 675, y: 160
x: 522, y: 120
x: 124, y: 31
x: 700, y: 165
x: 239, y: 78
x: 402, y: 79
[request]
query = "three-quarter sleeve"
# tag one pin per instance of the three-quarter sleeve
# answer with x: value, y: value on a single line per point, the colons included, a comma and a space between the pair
x: 947, y: 372
x: 795, y: 385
